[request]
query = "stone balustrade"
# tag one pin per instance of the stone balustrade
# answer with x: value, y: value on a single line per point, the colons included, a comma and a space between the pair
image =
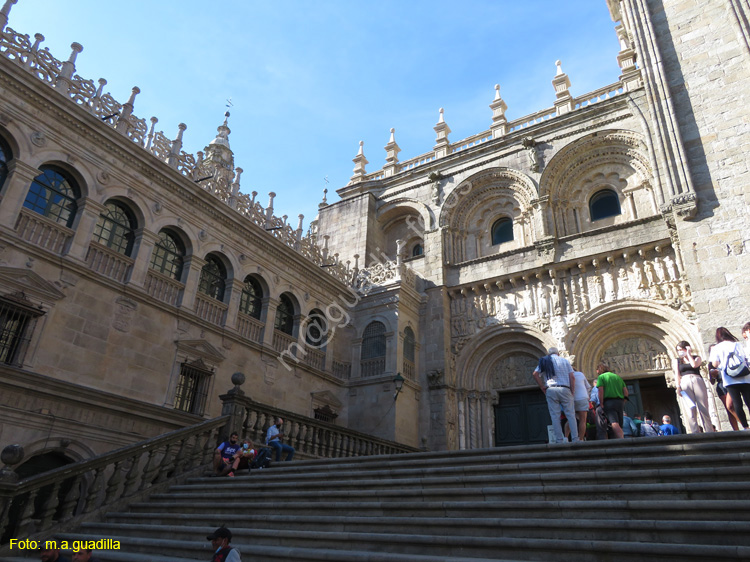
x: 209, y: 309
x: 43, y: 232
x: 108, y: 262
x: 163, y: 288
x: 65, y: 497
x: 310, y: 437
x: 282, y: 341
x: 249, y: 328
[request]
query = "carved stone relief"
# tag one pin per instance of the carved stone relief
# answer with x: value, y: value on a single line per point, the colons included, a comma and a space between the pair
x: 513, y: 371
x: 633, y: 356
x: 554, y: 300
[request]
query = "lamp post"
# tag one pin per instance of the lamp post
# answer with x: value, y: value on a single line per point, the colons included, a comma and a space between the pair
x: 398, y: 382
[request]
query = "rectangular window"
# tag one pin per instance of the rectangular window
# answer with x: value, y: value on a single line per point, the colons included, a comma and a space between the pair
x: 192, y: 389
x: 17, y: 321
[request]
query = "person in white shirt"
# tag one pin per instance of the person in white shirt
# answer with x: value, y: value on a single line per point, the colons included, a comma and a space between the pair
x: 273, y: 440
x: 737, y: 387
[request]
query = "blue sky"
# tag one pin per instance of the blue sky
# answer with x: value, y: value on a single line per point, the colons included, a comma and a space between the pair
x: 309, y: 80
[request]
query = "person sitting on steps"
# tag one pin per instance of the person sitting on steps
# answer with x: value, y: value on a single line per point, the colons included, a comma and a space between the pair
x: 273, y: 440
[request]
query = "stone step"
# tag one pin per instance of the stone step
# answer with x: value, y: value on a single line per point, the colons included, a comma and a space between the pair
x: 552, y: 550
x: 405, y: 466
x: 555, y: 491
x: 249, y: 483
x: 640, y: 530
x: 684, y: 510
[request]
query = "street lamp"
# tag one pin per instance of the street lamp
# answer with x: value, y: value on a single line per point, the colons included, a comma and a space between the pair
x: 398, y: 382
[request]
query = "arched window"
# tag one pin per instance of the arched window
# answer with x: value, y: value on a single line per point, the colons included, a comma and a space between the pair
x: 409, y: 344
x: 251, y: 300
x: 603, y: 204
x: 213, y: 278
x: 417, y: 250
x: 116, y: 227
x: 373, y: 341
x: 168, y: 256
x: 53, y: 194
x: 502, y: 231
x: 317, y: 329
x: 5, y: 157
x: 285, y: 315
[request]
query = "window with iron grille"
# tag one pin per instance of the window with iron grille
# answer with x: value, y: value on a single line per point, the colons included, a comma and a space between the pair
x: 373, y: 341
x: 115, y: 228
x: 168, y: 255
x: 325, y: 414
x: 285, y: 315
x: 17, y: 321
x: 251, y: 300
x: 53, y: 194
x: 213, y: 278
x: 5, y: 157
x: 192, y: 389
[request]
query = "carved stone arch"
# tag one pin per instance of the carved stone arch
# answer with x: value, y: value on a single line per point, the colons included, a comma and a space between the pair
x: 483, y: 349
x: 397, y: 207
x: 11, y: 134
x: 605, y: 325
x: 615, y: 159
x: 470, y: 209
x: 76, y: 169
x: 460, y: 201
x: 482, y: 371
x: 132, y: 199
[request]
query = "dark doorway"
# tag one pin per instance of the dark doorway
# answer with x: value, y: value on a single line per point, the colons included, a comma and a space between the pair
x: 520, y: 418
x: 653, y: 395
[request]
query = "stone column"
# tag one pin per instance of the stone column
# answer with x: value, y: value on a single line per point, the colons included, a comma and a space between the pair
x: 191, y: 275
x: 462, y: 419
x: 233, y: 304
x: 143, y: 249
x: 20, y: 176
x: 270, y: 321
x: 88, y: 215
x: 356, y: 358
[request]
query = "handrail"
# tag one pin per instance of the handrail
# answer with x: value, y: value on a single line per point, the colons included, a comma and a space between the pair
x: 70, y: 494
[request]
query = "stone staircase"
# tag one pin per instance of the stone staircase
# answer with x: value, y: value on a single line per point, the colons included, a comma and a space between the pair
x: 665, y: 498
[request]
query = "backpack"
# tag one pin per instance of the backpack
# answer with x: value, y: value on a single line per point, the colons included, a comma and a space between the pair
x: 654, y: 432
x: 262, y: 459
x: 736, y: 366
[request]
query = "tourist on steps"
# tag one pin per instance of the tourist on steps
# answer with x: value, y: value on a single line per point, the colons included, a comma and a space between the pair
x: 723, y: 356
x: 612, y: 394
x: 274, y: 438
x: 223, y: 551
x: 691, y: 385
x: 559, y: 389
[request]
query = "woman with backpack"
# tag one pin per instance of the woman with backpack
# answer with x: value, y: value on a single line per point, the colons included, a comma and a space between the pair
x: 729, y: 358
x: 690, y: 384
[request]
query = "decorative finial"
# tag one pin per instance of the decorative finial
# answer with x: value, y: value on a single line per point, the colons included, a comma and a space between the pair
x: 393, y: 132
x: 361, y: 148
x: 497, y: 92
x: 558, y: 63
x: 325, y: 196
x: 226, y: 118
x: 442, y: 116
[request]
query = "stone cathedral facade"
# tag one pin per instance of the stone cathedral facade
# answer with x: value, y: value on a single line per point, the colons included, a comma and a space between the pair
x: 135, y: 278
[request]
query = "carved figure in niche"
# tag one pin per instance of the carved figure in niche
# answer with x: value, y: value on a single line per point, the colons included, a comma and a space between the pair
x: 596, y: 288
x: 623, y: 283
x: 544, y: 301
x: 528, y: 299
x: 555, y: 296
x: 653, y: 278
x: 530, y: 145
x: 559, y: 330
x: 512, y: 305
x: 609, y: 286
x: 639, y: 277
x: 583, y: 290
x: 671, y: 267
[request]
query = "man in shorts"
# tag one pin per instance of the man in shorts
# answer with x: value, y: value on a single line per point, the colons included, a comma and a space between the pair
x: 612, y: 394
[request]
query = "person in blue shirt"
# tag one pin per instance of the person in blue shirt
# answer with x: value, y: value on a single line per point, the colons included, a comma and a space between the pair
x: 225, y: 455
x: 667, y: 428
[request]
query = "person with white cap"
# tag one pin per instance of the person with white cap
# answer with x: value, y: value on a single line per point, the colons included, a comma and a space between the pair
x: 223, y: 552
x: 559, y: 388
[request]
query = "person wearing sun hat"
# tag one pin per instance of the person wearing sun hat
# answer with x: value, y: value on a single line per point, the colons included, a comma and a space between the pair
x: 224, y: 552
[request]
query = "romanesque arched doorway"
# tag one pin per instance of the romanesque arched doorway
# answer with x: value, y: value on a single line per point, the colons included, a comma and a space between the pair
x: 498, y: 402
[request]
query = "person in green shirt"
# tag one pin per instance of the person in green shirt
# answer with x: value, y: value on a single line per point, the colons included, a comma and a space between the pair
x: 612, y: 394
